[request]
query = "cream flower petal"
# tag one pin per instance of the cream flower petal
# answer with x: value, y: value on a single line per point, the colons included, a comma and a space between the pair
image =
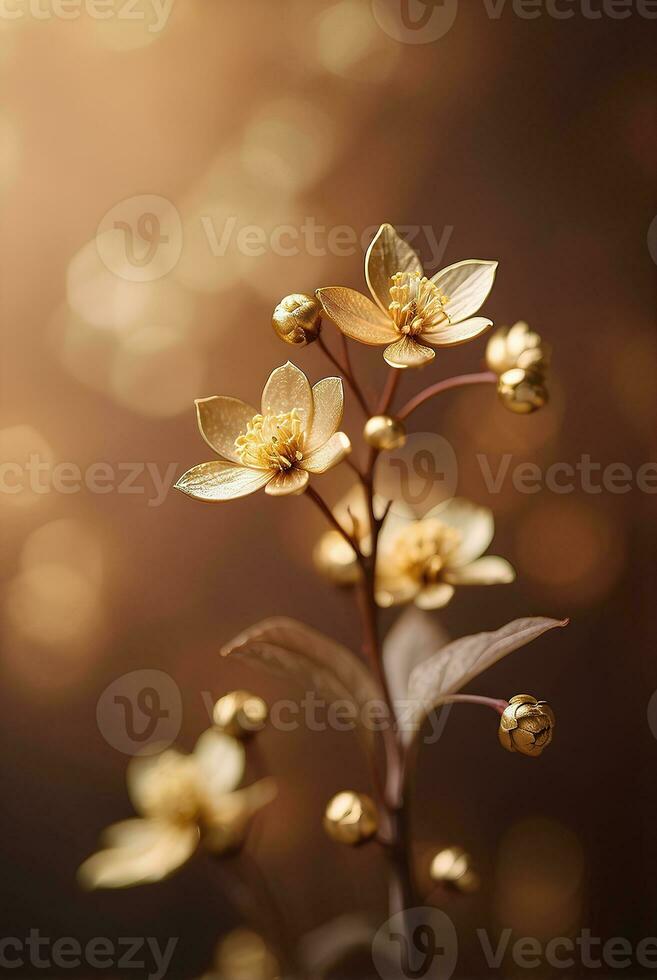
x: 292, y: 481
x: 147, y: 776
x: 221, y: 420
x: 394, y: 591
x: 217, y: 480
x: 407, y: 352
x: 228, y: 817
x: 328, y: 455
x: 286, y: 389
x: 220, y: 761
x: 466, y: 285
x: 434, y: 596
x: 452, y: 334
x: 490, y: 570
x: 328, y: 404
x: 388, y: 254
x: 357, y: 316
x: 475, y: 525
x: 143, y: 851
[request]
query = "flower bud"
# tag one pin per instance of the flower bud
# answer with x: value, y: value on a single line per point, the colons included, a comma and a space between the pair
x: 453, y: 867
x: 522, y: 391
x: 240, y: 714
x: 526, y: 725
x: 350, y: 818
x: 384, y: 432
x: 297, y: 319
x: 335, y: 559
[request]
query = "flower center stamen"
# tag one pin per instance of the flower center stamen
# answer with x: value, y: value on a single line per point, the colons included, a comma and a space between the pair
x: 424, y: 549
x: 416, y: 303
x: 272, y: 442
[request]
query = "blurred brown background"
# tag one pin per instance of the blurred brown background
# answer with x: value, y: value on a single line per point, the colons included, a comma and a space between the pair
x: 532, y: 141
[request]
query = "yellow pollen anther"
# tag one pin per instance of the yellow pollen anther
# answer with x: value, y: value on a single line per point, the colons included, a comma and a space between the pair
x: 416, y: 303
x: 272, y: 442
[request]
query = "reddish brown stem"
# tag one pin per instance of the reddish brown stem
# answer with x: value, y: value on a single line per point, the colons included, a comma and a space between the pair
x: 346, y: 372
x: 486, y: 377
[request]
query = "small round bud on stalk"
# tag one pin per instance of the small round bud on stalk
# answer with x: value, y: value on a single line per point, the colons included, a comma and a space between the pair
x: 336, y: 560
x: 351, y: 818
x: 384, y: 432
x: 297, y: 319
x: 522, y: 391
x: 526, y: 725
x: 240, y: 714
x: 453, y: 867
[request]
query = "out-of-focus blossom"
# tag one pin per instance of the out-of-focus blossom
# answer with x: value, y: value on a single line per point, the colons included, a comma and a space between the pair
x: 410, y: 311
x: 520, y: 358
x: 423, y: 560
x: 295, y: 434
x: 181, y: 799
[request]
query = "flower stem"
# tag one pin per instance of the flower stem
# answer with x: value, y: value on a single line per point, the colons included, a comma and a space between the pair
x: 332, y: 519
x: 494, y: 703
x: 485, y: 377
x: 347, y: 373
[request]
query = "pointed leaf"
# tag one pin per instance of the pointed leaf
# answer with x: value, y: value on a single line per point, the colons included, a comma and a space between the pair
x: 461, y: 661
x: 317, y: 663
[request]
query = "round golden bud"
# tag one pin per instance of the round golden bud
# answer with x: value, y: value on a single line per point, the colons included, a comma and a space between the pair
x: 527, y: 725
x: 335, y: 559
x: 522, y: 391
x: 297, y: 319
x: 384, y: 432
x: 240, y: 714
x: 351, y: 818
x: 453, y: 867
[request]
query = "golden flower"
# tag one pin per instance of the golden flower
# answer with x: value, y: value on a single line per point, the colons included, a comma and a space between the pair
x: 409, y: 310
x: 293, y: 435
x: 526, y: 725
x: 383, y: 432
x: 297, y: 319
x: 350, y: 818
x: 423, y: 560
x: 240, y: 714
x: 520, y: 359
x: 181, y: 799
x: 453, y: 867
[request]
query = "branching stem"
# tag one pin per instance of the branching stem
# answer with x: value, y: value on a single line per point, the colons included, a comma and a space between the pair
x: 485, y: 377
